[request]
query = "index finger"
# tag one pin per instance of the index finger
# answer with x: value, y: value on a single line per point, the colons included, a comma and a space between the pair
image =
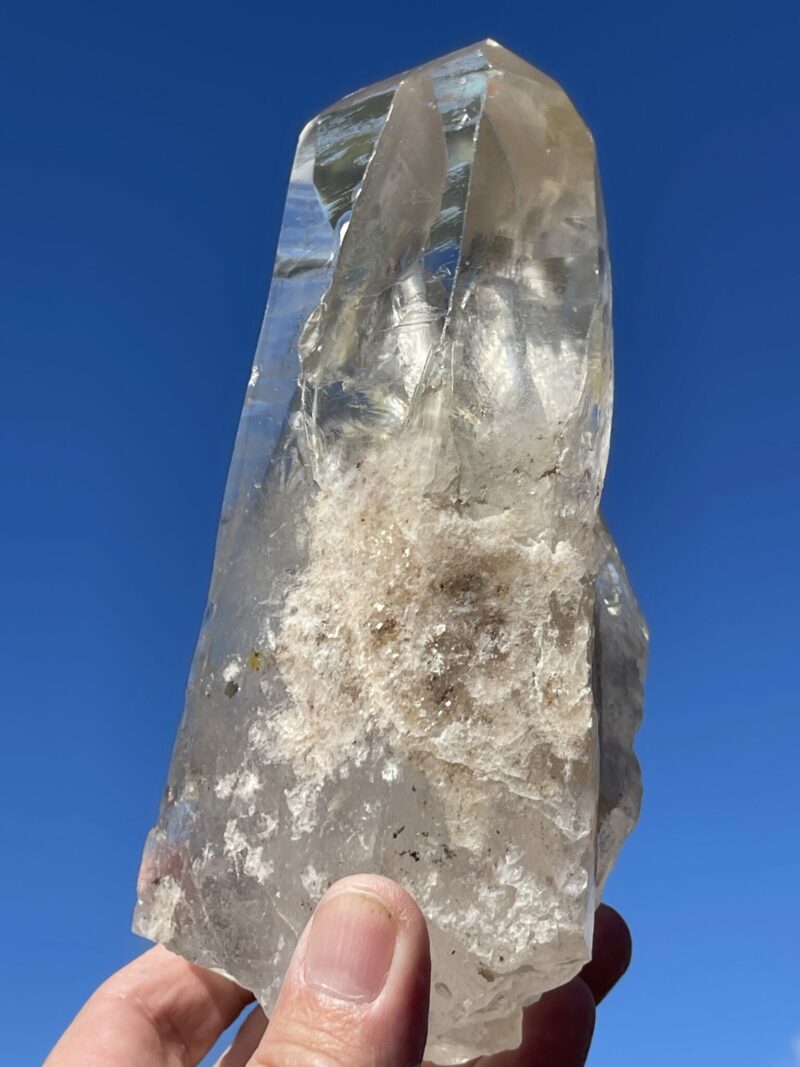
x: 160, y: 1010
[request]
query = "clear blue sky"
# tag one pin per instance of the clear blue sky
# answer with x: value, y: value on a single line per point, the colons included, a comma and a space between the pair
x: 145, y: 153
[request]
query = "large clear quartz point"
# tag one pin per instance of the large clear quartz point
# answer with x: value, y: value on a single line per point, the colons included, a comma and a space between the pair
x: 421, y: 655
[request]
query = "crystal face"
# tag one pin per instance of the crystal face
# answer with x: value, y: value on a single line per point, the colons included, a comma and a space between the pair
x: 421, y: 656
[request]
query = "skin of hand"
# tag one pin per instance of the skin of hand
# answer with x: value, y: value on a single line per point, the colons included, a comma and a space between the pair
x: 355, y: 995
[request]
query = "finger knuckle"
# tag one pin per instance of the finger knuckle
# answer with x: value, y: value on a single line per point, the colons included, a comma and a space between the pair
x: 289, y: 1054
x: 308, y: 1043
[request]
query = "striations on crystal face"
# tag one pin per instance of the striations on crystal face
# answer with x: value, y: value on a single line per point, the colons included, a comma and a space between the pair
x: 422, y: 655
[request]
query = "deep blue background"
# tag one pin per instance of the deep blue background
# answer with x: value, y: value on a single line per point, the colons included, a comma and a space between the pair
x: 144, y: 153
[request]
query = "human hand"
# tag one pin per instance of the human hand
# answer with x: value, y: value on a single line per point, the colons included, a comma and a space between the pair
x: 355, y: 995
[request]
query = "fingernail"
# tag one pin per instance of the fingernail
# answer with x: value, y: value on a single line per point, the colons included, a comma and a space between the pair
x: 350, y: 946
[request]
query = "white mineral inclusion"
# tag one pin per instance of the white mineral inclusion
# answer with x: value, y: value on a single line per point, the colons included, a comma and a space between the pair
x: 421, y: 656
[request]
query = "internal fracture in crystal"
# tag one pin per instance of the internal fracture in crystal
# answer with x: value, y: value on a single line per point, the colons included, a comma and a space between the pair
x: 422, y: 656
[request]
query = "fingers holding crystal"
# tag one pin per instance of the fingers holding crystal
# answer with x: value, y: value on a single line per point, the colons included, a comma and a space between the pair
x: 558, y: 1029
x: 246, y: 1040
x: 356, y: 991
x: 611, y: 952
x: 159, y: 1010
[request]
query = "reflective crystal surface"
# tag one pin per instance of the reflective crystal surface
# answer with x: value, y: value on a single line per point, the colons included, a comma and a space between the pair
x: 421, y: 655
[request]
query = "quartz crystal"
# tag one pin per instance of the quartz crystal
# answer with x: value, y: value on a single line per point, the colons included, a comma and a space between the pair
x: 421, y: 655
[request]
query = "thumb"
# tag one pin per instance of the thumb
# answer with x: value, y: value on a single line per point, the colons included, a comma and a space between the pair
x: 356, y: 992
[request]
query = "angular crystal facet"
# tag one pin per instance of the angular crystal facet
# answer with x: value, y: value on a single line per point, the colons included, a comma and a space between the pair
x: 421, y: 656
